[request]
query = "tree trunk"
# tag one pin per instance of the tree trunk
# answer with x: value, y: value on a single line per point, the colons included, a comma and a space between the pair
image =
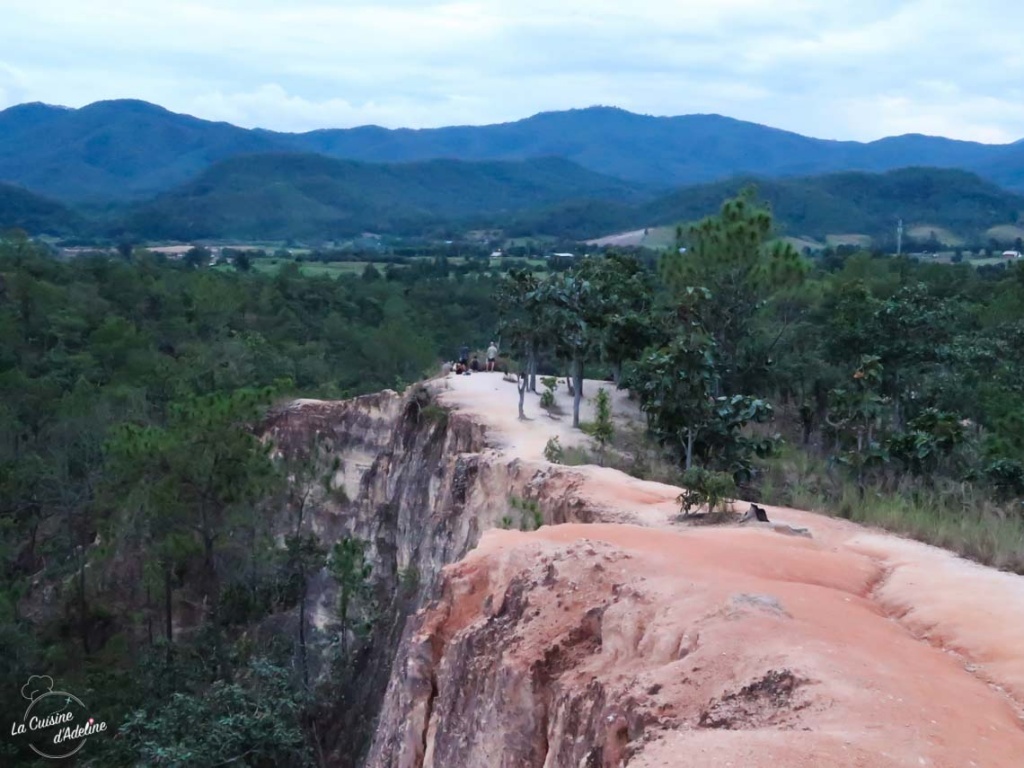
x: 577, y: 394
x: 167, y: 604
x: 211, y: 575
x: 83, y: 606
x: 149, y: 615
x: 302, y: 630
x: 532, y: 365
x: 689, y: 448
x: 521, y: 384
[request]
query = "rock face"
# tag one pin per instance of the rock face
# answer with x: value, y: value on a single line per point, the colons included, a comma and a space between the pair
x: 419, y: 484
x: 604, y: 646
x: 632, y: 640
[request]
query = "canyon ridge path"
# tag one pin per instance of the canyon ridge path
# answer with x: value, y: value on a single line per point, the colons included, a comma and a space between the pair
x: 711, y: 646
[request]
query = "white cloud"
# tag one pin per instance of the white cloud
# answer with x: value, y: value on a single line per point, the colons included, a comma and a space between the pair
x: 838, y: 70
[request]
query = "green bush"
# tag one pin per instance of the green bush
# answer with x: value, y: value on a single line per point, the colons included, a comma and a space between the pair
x: 705, y: 487
x: 554, y: 452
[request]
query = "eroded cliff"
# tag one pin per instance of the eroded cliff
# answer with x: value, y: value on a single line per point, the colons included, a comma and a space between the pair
x: 634, y: 640
x: 419, y: 483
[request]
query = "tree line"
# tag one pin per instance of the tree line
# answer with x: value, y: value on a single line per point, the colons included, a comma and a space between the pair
x: 890, y: 380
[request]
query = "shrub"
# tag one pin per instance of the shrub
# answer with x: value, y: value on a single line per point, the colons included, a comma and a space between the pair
x: 554, y: 452
x: 703, y: 486
x: 547, y: 397
x: 603, y: 430
x: 531, y: 517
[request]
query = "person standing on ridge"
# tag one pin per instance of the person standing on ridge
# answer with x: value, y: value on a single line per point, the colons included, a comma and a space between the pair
x: 492, y: 356
x: 464, y: 354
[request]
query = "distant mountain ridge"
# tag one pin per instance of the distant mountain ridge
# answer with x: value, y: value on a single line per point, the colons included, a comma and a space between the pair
x: 130, y: 150
x: 280, y: 196
x: 316, y: 199
x: 814, y: 206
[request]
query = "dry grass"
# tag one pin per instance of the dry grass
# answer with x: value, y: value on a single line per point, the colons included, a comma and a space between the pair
x: 631, y: 451
x: 957, y: 516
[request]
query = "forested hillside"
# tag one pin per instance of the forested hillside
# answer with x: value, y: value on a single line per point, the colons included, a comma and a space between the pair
x: 310, y: 196
x: 813, y: 206
x: 130, y: 480
x: 113, y: 150
x: 113, y: 375
x: 21, y: 209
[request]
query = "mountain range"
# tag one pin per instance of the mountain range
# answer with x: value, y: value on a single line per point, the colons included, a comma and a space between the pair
x: 129, y: 150
x: 132, y: 170
x: 281, y: 196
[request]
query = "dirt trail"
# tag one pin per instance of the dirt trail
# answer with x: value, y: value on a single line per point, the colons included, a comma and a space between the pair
x: 875, y: 650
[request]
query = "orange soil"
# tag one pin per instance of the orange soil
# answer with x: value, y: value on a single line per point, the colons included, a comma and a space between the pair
x: 915, y: 657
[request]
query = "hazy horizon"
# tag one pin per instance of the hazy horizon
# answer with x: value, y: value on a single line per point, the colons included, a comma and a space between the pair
x: 833, y: 71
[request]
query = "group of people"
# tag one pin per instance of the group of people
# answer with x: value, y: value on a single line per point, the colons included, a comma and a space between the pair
x: 466, y: 365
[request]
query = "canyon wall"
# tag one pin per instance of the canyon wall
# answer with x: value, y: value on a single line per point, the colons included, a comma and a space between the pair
x: 419, y: 484
x: 615, y: 635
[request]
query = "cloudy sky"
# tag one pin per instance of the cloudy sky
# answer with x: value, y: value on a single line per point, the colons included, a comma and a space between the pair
x: 860, y: 69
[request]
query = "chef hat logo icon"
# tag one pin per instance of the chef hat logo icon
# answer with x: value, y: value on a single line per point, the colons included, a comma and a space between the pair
x: 36, y: 686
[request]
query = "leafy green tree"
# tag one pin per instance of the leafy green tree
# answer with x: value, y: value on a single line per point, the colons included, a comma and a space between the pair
x: 572, y: 316
x: 676, y: 384
x: 622, y: 322
x: 306, y: 555
x: 522, y: 323
x: 602, y: 430
x: 197, y: 256
x: 733, y: 256
x: 190, y: 479
x: 242, y: 261
x: 351, y: 570
x: 858, y: 418
x: 253, y: 720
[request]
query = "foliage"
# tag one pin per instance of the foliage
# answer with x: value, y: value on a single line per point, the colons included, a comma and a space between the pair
x: 603, y: 429
x: 733, y: 257
x: 351, y: 569
x: 530, y: 514
x: 570, y: 316
x: 553, y: 451
x: 547, y: 397
x: 131, y: 476
x: 857, y: 417
x: 931, y: 437
x: 253, y: 720
x: 675, y: 385
x: 703, y: 487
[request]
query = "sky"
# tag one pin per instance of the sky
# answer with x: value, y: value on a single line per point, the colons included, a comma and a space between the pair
x: 858, y: 69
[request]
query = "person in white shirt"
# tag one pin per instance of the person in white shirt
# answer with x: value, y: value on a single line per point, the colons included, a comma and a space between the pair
x: 492, y: 356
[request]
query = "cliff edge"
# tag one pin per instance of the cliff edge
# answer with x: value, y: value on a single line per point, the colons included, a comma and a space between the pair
x: 634, y: 640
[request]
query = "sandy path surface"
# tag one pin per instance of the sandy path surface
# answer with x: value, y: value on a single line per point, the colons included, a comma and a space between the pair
x: 920, y: 651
